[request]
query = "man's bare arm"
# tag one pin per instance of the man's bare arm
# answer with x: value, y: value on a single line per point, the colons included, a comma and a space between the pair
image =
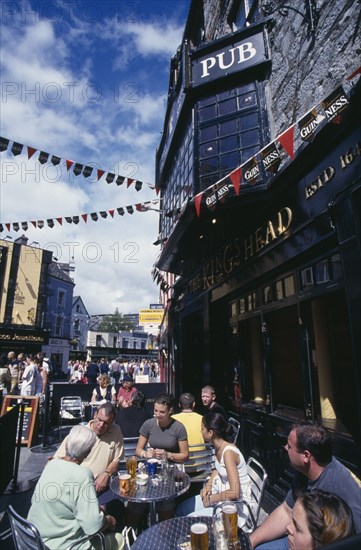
x: 273, y: 527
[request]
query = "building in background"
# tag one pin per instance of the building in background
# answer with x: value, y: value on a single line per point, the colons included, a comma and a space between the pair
x: 58, y: 316
x: 24, y: 279
x: 124, y: 344
x: 78, y: 328
x: 259, y: 173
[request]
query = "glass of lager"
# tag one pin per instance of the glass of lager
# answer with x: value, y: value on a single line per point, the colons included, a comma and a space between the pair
x: 199, y: 536
x: 230, y: 520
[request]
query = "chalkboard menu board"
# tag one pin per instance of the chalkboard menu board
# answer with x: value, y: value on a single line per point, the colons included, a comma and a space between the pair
x: 30, y: 423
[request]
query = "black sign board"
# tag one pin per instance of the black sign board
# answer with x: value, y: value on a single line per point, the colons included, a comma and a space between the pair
x: 228, y: 58
x: 30, y: 423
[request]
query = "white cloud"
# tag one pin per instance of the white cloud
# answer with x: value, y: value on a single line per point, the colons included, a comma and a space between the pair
x: 115, y: 134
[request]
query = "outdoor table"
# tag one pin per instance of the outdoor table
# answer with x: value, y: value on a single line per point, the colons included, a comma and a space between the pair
x: 151, y: 493
x: 164, y: 535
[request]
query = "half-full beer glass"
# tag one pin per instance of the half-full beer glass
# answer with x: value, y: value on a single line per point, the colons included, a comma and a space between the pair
x: 199, y: 536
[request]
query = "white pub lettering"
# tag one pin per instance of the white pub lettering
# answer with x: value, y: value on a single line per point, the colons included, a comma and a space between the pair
x: 238, y: 55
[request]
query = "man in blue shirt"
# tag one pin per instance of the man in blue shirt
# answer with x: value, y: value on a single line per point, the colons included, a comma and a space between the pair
x: 310, y: 452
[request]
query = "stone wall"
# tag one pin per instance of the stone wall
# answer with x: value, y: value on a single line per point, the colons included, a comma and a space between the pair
x: 305, y: 67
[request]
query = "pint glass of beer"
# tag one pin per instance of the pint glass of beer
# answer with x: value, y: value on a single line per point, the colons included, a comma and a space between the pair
x: 124, y: 483
x: 199, y: 536
x: 230, y: 520
x: 132, y: 466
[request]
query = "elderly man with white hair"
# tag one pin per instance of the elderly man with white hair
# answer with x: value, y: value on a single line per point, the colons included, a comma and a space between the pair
x: 64, y: 505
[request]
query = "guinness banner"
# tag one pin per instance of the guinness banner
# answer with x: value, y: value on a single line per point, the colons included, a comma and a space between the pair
x: 271, y: 158
x: 251, y: 171
x: 308, y: 125
x: 334, y: 104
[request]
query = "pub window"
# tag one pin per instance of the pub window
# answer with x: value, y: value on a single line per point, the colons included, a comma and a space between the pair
x: 279, y: 290
x: 267, y: 294
x: 289, y: 286
x: 242, y: 305
x: 233, y: 309
x: 98, y: 340
x: 114, y: 341
x: 322, y: 271
x: 336, y: 267
x: 76, y: 325
x: 307, y: 277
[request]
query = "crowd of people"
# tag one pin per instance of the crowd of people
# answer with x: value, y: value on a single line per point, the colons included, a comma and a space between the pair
x: 323, y: 506
x: 24, y: 374
x: 83, y: 372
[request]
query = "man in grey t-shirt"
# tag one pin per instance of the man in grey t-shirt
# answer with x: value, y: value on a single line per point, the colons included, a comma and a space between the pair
x: 310, y: 452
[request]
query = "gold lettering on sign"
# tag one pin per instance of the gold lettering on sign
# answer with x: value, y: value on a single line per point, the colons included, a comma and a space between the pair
x: 320, y: 181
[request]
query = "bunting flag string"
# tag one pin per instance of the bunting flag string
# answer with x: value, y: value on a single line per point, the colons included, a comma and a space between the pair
x: 279, y: 150
x: 77, y: 167
x: 50, y: 222
x: 157, y: 276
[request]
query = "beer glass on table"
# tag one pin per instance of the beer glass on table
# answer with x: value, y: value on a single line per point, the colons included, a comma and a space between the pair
x: 199, y: 536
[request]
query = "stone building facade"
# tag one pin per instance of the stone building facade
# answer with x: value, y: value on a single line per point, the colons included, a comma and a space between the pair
x: 259, y: 172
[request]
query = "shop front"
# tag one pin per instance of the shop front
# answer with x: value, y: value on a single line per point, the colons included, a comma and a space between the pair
x: 268, y: 301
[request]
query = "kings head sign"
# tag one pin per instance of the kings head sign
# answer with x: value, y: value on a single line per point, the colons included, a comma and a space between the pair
x: 237, y: 54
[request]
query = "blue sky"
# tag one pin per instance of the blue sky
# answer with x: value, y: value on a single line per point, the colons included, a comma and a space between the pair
x: 87, y: 81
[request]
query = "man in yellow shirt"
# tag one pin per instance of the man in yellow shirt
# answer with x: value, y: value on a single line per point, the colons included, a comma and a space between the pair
x: 190, y: 419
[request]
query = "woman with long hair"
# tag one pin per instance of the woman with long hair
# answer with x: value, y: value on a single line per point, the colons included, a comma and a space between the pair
x: 318, y: 518
x: 229, y: 480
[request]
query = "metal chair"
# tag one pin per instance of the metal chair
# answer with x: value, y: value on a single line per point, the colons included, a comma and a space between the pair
x: 200, y: 462
x: 258, y: 477
x: 71, y: 410
x: 27, y: 537
x: 236, y: 427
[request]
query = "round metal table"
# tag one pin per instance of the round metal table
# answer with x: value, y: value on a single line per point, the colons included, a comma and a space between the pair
x: 164, y: 535
x: 164, y: 489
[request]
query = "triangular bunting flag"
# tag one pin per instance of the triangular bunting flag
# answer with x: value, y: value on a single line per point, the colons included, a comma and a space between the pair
x: 251, y: 171
x: 34, y: 223
x: 87, y: 171
x: 4, y: 144
x: 76, y: 219
x: 85, y: 217
x: 235, y: 178
x: 78, y: 168
x: 334, y: 104
x: 197, y: 203
x: 130, y: 209
x: 16, y: 226
x: 68, y: 219
x: 24, y: 226
x: 103, y: 214
x: 100, y: 174
x: 8, y: 226
x: 43, y: 157
x: 94, y: 216
x: 60, y: 221
x: 287, y: 141
x: 69, y: 164
x: 31, y: 151
x: 1, y: 228
x: 110, y: 178
x: 16, y: 148
x: 120, y: 180
x: 157, y: 190
x: 120, y: 211
x: 50, y: 222
x: 40, y: 224
x: 129, y: 182
x: 55, y: 160
x: 138, y: 185
x: 271, y: 158
x: 111, y: 212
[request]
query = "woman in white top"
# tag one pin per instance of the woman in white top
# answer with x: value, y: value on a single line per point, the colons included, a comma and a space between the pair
x: 229, y: 480
x: 104, y: 390
x: 29, y: 377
